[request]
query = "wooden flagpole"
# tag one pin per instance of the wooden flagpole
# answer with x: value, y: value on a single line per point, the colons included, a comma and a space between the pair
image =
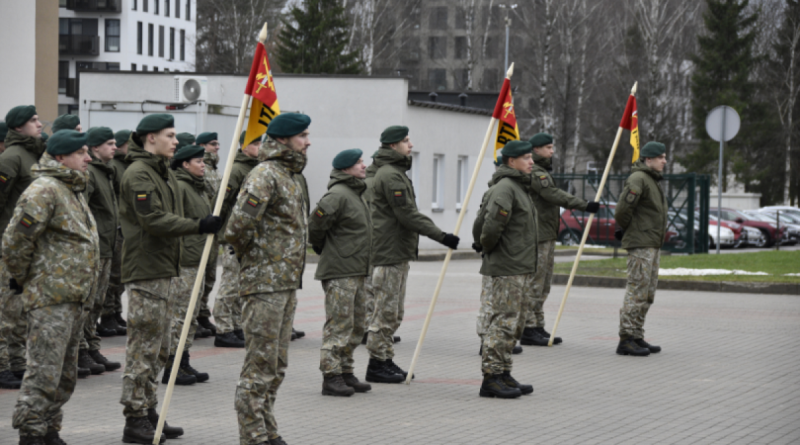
x: 461, y: 214
x: 587, y: 228
x: 201, y: 270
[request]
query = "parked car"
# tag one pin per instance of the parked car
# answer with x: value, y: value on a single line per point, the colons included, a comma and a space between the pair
x: 738, y: 236
x: 784, y: 209
x: 754, y: 236
x: 791, y: 231
x: 676, y: 221
x: 570, y: 228
x: 791, y: 219
x: 770, y: 230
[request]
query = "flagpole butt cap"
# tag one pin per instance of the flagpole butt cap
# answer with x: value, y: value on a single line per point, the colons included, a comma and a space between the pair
x: 262, y: 36
x: 510, y: 71
x: 633, y: 90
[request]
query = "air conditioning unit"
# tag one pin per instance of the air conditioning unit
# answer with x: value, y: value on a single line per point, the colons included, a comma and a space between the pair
x: 191, y: 89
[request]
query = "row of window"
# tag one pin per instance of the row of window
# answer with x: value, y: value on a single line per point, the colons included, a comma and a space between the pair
x: 88, y: 29
x: 167, y: 4
x: 437, y: 190
x: 161, y: 41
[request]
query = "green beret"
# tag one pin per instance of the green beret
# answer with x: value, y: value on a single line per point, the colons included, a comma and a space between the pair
x: 3, y: 131
x: 241, y: 138
x: 514, y: 149
x: 395, y: 133
x: 45, y: 137
x: 187, y: 152
x: 65, y: 142
x: 185, y: 139
x: 499, y: 161
x: 347, y: 158
x: 66, y: 122
x: 205, y: 138
x: 17, y: 116
x: 652, y: 150
x: 122, y: 137
x: 286, y: 125
x: 153, y: 123
x: 98, y: 136
x: 540, y: 140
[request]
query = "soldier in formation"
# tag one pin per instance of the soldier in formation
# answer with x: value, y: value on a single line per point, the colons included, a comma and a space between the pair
x: 3, y: 133
x: 66, y: 122
x: 210, y: 143
x: 340, y: 233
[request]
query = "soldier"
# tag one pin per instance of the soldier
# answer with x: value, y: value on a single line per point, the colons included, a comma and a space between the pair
x: 102, y: 200
x: 66, y: 122
x: 268, y: 231
x: 111, y: 318
x: 51, y: 249
x: 641, y: 215
x: 505, y: 232
x: 24, y: 146
x: 195, y: 194
x: 209, y: 142
x: 3, y: 133
x: 228, y: 305
x: 397, y: 225
x: 340, y: 232
x: 151, y: 213
x: 184, y: 139
x: 548, y: 199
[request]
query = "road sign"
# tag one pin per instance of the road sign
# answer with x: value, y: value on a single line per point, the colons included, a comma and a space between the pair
x: 723, y: 123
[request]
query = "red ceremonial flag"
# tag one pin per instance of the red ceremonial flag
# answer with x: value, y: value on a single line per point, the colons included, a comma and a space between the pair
x: 507, y: 129
x: 265, y: 99
x: 630, y: 121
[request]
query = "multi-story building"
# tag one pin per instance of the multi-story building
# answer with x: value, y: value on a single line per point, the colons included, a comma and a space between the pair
x: 114, y: 35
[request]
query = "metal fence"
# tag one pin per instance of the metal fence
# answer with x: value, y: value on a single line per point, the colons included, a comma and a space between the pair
x: 687, y: 201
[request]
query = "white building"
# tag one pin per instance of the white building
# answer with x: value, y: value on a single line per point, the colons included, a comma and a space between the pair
x: 114, y: 35
x: 346, y: 112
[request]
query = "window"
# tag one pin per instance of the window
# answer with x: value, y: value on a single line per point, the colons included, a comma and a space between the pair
x: 155, y: 6
x: 139, y: 45
x: 178, y: 8
x: 188, y: 10
x: 409, y: 49
x: 491, y: 48
x: 437, y: 79
x: 462, y: 181
x: 438, y: 18
x: 151, y: 30
x: 160, y: 41
x: 489, y: 80
x: 155, y: 69
x: 183, y: 45
x: 437, y: 47
x: 62, y: 3
x: 461, y: 17
x: 144, y: 67
x: 112, y: 35
x: 134, y: 4
x: 437, y: 199
x: 461, y: 78
x: 133, y: 67
x: 145, y: 5
x: 172, y: 44
x: 461, y: 48
x: 166, y: 8
x: 63, y: 75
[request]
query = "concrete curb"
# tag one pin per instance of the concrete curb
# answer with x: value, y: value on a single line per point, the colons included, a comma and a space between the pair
x: 700, y: 286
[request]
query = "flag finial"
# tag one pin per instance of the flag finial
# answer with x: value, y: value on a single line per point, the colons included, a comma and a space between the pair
x: 633, y: 90
x: 510, y: 71
x: 262, y: 36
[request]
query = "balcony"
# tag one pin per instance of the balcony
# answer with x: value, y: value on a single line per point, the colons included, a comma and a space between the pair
x: 72, y: 88
x: 95, y: 5
x: 78, y: 45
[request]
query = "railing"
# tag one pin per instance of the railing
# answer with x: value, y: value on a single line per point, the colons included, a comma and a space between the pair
x: 79, y: 45
x: 72, y: 87
x: 95, y: 5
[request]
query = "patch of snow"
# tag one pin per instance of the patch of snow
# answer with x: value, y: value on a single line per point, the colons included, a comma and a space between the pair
x: 701, y: 272
x: 792, y: 275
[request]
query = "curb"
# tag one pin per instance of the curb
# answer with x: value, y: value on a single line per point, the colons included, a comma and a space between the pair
x: 699, y: 286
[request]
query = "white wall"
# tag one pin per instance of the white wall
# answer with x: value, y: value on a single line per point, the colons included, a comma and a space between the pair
x: 18, y: 54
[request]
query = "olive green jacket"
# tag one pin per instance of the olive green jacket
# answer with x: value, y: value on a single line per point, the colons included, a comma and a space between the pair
x: 151, y: 213
x: 506, y: 225
x: 341, y: 224
x: 102, y: 199
x: 242, y: 165
x: 642, y: 209
x: 548, y: 199
x: 119, y: 164
x: 396, y: 222
x: 21, y: 153
x: 196, y: 205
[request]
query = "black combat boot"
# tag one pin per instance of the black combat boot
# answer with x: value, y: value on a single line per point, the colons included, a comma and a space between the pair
x: 397, y: 370
x: 86, y: 361
x: 546, y: 335
x: 396, y: 339
x: 207, y: 324
x: 31, y: 440
x: 83, y: 372
x: 366, y: 337
x: 494, y: 385
x: 201, y: 332
x: 228, y: 340
x: 517, y: 349
x: 532, y: 337
x: 110, y: 323
x: 378, y: 371
x: 52, y: 438
x: 182, y: 379
x: 120, y: 321
x: 352, y: 381
x: 170, y: 431
x: 333, y: 385
x: 277, y: 441
x: 140, y: 430
x: 511, y: 382
x: 19, y: 374
x: 652, y: 348
x: 298, y: 334
x: 105, y: 332
x: 187, y: 368
x: 628, y: 346
x: 99, y: 358
x: 9, y: 381
x: 239, y: 333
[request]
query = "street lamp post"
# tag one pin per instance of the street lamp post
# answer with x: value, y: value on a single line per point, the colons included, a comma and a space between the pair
x: 508, y: 9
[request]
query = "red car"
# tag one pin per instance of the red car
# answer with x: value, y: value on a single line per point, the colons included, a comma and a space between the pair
x: 739, y: 235
x: 770, y: 231
x: 570, y: 228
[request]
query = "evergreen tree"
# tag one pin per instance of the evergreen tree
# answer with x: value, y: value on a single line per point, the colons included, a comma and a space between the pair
x: 316, y: 40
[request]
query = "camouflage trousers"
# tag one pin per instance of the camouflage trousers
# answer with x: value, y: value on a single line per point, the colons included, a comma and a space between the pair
x: 546, y: 257
x: 389, y: 290
x: 505, y: 308
x: 94, y: 307
x: 180, y: 295
x: 112, y: 303
x: 13, y: 326
x: 369, y: 301
x: 208, y: 283
x: 344, y: 324
x: 267, y: 323
x: 228, y: 306
x: 643, y: 264
x: 53, y: 336
x: 482, y: 325
x: 148, y: 344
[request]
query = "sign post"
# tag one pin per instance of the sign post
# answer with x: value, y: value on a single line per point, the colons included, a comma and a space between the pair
x: 722, y: 125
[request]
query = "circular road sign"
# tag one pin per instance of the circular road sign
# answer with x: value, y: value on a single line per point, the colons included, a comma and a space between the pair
x: 723, y: 123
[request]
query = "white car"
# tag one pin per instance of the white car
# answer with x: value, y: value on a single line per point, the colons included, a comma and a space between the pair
x: 725, y: 236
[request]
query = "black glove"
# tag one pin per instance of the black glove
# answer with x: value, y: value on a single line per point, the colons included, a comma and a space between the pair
x: 12, y: 284
x: 618, y: 234
x: 230, y: 249
x: 477, y: 247
x: 210, y: 224
x: 592, y: 207
x: 317, y: 250
x: 451, y: 241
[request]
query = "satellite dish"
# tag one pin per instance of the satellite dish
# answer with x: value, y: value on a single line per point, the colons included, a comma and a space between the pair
x: 191, y: 90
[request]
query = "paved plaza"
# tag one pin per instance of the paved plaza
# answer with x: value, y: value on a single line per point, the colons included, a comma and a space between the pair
x: 729, y: 373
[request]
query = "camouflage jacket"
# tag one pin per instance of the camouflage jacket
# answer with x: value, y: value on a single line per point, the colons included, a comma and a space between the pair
x: 342, y: 225
x: 196, y: 204
x: 51, y: 246
x: 119, y: 164
x: 102, y: 199
x: 242, y: 165
x: 268, y: 224
x: 213, y: 176
x: 548, y: 199
x: 642, y: 208
x: 21, y: 153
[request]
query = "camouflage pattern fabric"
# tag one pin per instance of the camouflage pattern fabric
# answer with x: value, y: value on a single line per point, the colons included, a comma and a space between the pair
x: 13, y: 326
x: 228, y: 305
x: 389, y: 288
x: 506, y: 314
x: 267, y: 323
x: 344, y: 324
x: 212, y: 176
x: 369, y: 302
x: 482, y: 324
x: 546, y: 256
x: 208, y: 283
x: 643, y: 264
x: 180, y: 295
x: 94, y: 306
x: 147, y: 349
x: 53, y: 336
x: 112, y: 303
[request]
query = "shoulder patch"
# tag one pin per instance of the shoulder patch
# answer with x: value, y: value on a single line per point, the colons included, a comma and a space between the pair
x: 143, y: 202
x: 544, y: 181
x: 399, y: 197
x: 4, y: 179
x: 27, y: 224
x: 319, y: 213
x: 631, y: 197
x: 252, y: 205
x: 501, y: 214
